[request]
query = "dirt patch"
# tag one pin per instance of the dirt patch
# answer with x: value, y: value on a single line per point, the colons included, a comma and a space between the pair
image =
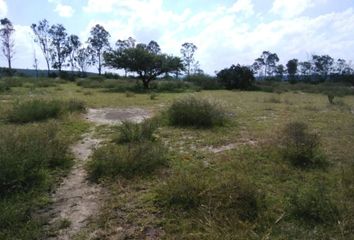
x: 229, y: 147
x: 113, y: 116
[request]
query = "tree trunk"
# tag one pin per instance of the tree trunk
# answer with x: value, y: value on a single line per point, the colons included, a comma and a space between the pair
x: 99, y: 63
x: 146, y: 83
x: 9, y: 61
x: 48, y: 68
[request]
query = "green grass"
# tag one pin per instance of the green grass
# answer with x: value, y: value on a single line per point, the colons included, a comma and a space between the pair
x: 190, y: 197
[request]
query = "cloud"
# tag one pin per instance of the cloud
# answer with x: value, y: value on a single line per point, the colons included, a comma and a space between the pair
x: 3, y: 8
x: 243, y: 6
x: 64, y: 10
x: 289, y: 9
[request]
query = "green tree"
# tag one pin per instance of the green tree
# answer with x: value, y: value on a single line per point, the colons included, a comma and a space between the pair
x: 43, y: 39
x: 73, y: 46
x: 98, y: 42
x: 147, y: 64
x: 59, y: 45
x: 323, y: 64
x: 83, y: 59
x: 236, y: 77
x: 267, y: 63
x: 292, y: 67
x: 188, y: 51
x: 7, y: 41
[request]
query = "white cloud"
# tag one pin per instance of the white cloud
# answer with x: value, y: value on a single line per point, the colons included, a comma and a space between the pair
x: 3, y: 8
x: 64, y: 10
x: 292, y: 8
x: 243, y: 6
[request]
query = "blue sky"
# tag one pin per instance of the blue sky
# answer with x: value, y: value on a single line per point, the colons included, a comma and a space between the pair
x: 225, y: 32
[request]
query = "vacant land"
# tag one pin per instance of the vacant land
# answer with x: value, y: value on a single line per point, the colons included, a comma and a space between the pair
x: 236, y: 179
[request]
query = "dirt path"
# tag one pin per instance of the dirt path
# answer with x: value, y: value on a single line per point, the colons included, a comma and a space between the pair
x: 77, y: 199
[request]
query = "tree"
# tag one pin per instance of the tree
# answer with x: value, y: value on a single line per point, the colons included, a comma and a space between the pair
x: 35, y: 62
x: 279, y: 71
x: 122, y: 45
x: 187, y: 51
x: 8, y: 45
x: 305, y: 68
x: 59, y: 45
x: 42, y: 37
x: 322, y: 64
x: 154, y: 47
x: 141, y: 60
x: 267, y: 63
x: 292, y: 67
x: 73, y: 45
x: 98, y: 42
x: 83, y: 59
x: 236, y: 77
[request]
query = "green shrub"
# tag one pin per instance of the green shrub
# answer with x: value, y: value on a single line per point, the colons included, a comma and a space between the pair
x: 4, y: 87
x: 137, y: 132
x: 197, y: 112
x: 154, y: 96
x: 26, y: 155
x: 301, y: 147
x: 75, y: 105
x: 313, y: 205
x: 34, y: 110
x: 204, y: 81
x: 128, y: 160
x: 218, y: 196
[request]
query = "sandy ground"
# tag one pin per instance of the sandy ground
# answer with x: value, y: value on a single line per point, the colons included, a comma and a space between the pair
x: 113, y: 116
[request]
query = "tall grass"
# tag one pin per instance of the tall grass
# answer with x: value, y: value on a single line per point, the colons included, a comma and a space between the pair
x: 30, y: 158
x: 128, y: 161
x: 130, y: 132
x: 40, y: 110
x: 197, y: 112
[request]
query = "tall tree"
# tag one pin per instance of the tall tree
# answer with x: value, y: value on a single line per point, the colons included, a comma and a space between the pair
x: 154, y: 47
x: 73, y: 45
x: 7, y: 41
x: 83, y: 59
x: 98, y: 42
x: 305, y: 68
x: 267, y: 63
x: 122, y: 45
x: 292, y: 67
x: 322, y: 64
x: 60, y: 46
x: 42, y: 37
x: 187, y: 51
x: 280, y: 70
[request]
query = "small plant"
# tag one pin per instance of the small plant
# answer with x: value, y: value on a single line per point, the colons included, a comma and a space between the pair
x: 330, y: 98
x: 129, y: 94
x: 75, y: 105
x: 313, y: 205
x: 34, y: 110
x: 137, y: 132
x: 128, y: 161
x: 153, y: 96
x: 197, y: 112
x: 300, y: 147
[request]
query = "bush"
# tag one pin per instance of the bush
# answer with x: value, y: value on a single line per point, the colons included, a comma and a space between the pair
x: 26, y: 155
x: 128, y: 161
x: 192, y: 111
x: 313, y: 205
x: 34, y: 110
x: 4, y: 87
x: 130, y: 132
x: 75, y: 105
x: 300, y: 147
x: 237, y: 77
x: 204, y: 81
x: 220, y: 197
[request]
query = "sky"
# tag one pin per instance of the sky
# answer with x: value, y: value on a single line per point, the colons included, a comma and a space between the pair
x: 226, y: 32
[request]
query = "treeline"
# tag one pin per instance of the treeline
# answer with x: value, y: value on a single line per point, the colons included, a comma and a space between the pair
x: 147, y: 62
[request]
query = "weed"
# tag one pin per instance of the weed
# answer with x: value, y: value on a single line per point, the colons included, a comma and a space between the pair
x: 137, y: 132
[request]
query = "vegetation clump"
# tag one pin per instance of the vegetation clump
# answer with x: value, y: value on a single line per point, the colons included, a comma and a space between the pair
x: 128, y: 161
x: 130, y: 132
x: 301, y: 147
x: 197, y: 112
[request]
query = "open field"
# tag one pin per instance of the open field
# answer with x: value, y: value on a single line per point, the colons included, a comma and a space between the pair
x: 226, y: 182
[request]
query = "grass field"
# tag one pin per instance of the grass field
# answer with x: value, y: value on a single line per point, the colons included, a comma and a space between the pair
x: 226, y: 182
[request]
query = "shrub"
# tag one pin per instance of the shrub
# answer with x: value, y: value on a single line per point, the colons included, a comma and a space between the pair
x: 128, y: 160
x: 137, y: 132
x: 129, y: 94
x: 236, y: 77
x: 153, y: 96
x: 26, y: 155
x: 4, y: 87
x: 34, y: 110
x: 197, y: 112
x: 300, y: 147
x: 75, y: 105
x: 220, y: 197
x: 204, y: 81
x: 313, y: 205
